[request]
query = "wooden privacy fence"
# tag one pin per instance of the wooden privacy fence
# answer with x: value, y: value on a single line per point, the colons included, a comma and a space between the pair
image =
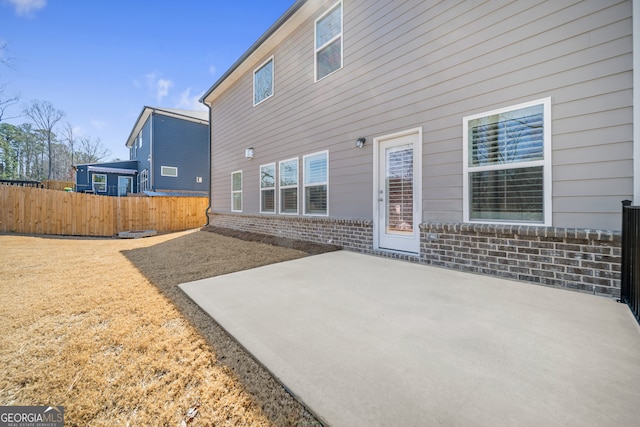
x: 40, y: 211
x: 58, y: 185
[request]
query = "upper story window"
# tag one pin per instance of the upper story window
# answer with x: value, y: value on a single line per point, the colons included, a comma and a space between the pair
x: 268, y: 188
x: 328, y: 43
x: 263, y: 82
x: 140, y: 140
x: 507, y: 165
x: 169, y: 171
x: 236, y: 191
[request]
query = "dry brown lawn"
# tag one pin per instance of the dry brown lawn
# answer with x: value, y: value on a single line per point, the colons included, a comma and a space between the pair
x: 100, y: 327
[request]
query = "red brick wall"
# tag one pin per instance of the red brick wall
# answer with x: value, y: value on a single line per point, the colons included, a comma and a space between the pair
x: 578, y: 259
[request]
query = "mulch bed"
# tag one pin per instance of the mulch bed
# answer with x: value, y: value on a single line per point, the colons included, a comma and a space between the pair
x: 310, y: 248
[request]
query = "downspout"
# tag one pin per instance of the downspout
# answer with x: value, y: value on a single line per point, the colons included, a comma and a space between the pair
x: 152, y: 186
x: 208, y: 211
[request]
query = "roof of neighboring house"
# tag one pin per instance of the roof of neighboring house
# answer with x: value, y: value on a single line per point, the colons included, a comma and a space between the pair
x: 126, y: 164
x: 104, y: 169
x: 265, y: 42
x: 201, y: 117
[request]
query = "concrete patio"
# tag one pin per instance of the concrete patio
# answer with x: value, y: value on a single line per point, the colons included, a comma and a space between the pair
x: 369, y: 341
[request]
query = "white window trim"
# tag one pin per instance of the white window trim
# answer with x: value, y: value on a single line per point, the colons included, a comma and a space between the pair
x: 273, y: 80
x: 143, y: 184
x: 318, y: 49
x: 237, y: 191
x: 93, y: 182
x: 165, y: 168
x: 274, y: 188
x: 545, y: 163
x: 305, y: 185
x: 286, y: 187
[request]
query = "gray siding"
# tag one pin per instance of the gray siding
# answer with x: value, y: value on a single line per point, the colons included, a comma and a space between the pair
x: 84, y: 177
x: 427, y: 64
x: 142, y: 153
x: 182, y: 144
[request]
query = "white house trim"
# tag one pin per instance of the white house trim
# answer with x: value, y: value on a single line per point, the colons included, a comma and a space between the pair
x: 636, y: 101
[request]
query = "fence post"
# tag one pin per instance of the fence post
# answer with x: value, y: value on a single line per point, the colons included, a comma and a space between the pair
x: 118, y: 230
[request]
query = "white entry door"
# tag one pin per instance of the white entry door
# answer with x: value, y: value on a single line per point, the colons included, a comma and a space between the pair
x: 397, y: 192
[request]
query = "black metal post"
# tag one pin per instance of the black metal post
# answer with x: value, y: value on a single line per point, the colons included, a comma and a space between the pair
x: 625, y: 254
x: 630, y: 258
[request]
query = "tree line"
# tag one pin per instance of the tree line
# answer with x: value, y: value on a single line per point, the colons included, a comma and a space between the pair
x: 42, y: 147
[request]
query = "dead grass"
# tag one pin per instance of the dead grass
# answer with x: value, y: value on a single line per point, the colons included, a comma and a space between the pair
x: 100, y: 327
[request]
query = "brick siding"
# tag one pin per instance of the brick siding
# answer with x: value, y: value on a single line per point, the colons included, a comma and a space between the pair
x: 355, y: 235
x: 585, y: 260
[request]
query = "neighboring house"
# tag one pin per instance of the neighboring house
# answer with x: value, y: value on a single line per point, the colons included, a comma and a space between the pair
x: 494, y: 137
x: 111, y: 179
x: 168, y: 152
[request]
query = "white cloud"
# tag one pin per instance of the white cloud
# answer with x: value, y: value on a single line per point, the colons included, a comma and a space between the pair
x: 151, y: 79
x: 189, y: 102
x: 159, y: 86
x: 77, y: 131
x: 99, y: 124
x: 27, y: 7
x: 162, y: 88
x: 213, y: 70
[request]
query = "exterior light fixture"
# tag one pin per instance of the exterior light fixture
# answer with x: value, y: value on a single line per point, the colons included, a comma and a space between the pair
x: 248, y: 153
x: 360, y: 142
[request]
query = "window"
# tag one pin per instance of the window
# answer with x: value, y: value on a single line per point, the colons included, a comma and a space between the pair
x: 169, y: 171
x: 289, y: 186
x: 144, y: 180
x: 328, y: 43
x: 263, y: 82
x: 140, y: 140
x: 507, y: 165
x: 316, y: 180
x: 99, y: 182
x: 236, y: 191
x: 268, y: 188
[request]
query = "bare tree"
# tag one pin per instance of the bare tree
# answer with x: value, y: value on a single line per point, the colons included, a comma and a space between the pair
x: 70, y: 137
x: 45, y: 116
x: 4, y: 59
x: 6, y: 101
x: 90, y: 150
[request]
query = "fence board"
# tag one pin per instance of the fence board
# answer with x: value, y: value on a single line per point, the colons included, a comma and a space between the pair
x: 41, y: 211
x: 57, y: 185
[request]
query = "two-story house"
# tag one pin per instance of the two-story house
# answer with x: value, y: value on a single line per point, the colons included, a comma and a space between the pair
x: 494, y: 137
x: 168, y: 155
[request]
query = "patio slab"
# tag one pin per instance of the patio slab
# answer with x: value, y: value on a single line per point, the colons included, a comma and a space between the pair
x: 364, y: 340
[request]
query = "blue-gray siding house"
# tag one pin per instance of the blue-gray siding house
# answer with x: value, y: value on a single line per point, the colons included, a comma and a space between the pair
x: 109, y: 179
x: 168, y: 155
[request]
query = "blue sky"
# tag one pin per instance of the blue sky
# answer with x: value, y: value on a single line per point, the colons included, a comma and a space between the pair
x: 102, y: 61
